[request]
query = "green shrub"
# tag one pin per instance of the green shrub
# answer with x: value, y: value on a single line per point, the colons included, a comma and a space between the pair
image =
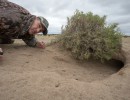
x: 87, y: 36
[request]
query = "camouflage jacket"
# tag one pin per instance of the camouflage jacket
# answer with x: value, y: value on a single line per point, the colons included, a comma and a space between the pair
x: 15, y: 22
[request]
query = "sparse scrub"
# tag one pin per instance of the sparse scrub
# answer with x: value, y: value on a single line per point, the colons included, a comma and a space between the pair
x: 88, y: 36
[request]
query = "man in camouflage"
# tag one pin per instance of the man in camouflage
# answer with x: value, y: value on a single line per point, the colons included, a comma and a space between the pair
x: 17, y: 23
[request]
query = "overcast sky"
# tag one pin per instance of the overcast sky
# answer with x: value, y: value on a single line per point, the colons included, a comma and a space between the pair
x: 57, y: 11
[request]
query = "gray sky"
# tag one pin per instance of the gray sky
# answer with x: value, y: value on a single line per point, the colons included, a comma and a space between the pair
x: 57, y: 11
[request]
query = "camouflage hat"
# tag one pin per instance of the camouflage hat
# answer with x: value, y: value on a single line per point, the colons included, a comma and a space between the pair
x: 45, y: 23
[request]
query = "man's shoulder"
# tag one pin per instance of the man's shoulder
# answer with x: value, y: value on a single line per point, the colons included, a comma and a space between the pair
x: 5, y: 4
x: 3, y: 0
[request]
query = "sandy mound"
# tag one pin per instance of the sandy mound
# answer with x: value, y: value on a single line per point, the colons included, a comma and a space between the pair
x: 52, y: 74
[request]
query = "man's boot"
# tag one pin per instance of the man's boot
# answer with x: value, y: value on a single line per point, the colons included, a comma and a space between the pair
x: 1, y: 51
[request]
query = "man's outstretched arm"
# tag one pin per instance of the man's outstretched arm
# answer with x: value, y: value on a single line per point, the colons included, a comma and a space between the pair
x: 30, y: 40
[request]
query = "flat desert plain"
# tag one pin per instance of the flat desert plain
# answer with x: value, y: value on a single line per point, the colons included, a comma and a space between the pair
x: 28, y: 73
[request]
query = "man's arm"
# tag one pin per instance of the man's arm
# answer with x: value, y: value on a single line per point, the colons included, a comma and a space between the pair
x: 30, y: 40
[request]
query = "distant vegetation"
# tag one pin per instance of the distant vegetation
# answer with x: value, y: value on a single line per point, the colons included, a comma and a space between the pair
x: 88, y: 36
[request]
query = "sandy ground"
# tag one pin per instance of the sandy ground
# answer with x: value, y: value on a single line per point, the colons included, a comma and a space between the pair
x: 52, y: 74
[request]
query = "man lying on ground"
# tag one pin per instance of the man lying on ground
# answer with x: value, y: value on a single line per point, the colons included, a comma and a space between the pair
x: 17, y: 23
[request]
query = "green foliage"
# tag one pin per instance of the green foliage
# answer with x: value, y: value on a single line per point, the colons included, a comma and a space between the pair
x: 87, y: 36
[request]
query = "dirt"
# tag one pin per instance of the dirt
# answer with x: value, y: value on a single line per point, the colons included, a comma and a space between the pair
x: 28, y: 73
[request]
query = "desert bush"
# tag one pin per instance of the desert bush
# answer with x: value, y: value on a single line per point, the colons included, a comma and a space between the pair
x: 88, y: 36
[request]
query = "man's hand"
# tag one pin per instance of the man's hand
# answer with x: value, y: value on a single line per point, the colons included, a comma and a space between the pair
x: 40, y: 45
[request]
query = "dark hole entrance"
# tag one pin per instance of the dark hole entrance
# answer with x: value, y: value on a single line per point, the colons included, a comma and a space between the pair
x: 115, y: 64
x: 95, y: 70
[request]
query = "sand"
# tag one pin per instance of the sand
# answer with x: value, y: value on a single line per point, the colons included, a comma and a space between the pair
x: 28, y: 73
